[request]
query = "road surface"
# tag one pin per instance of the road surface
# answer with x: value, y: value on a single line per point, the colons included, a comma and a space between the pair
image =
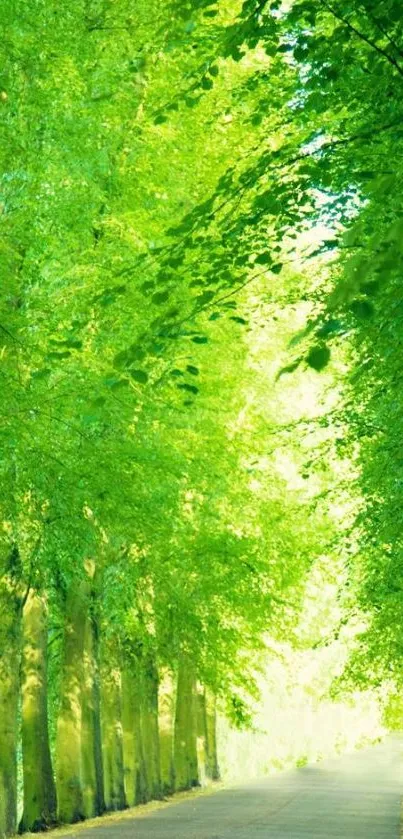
x: 357, y: 796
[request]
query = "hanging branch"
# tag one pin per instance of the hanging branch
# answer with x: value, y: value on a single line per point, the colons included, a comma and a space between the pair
x: 363, y: 37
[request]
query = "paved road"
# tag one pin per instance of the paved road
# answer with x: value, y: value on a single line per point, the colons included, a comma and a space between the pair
x: 357, y: 796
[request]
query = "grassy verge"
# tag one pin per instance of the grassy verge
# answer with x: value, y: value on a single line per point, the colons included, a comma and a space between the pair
x: 131, y: 813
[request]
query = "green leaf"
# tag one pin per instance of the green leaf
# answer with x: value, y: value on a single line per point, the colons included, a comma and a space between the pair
x: 139, y: 376
x: 267, y: 201
x: 160, y: 297
x: 40, y: 374
x: 89, y: 419
x: 331, y: 327
x: 115, y: 383
x: 236, y: 54
x: 257, y: 119
x: 362, y: 309
x: 59, y: 355
x: 200, y: 339
x: 119, y: 384
x: 189, y: 388
x: 300, y: 53
x: 136, y: 353
x: 106, y: 299
x: 149, y: 285
x: 193, y: 370
x: 205, y: 297
x: 109, y: 381
x: 74, y: 343
x: 371, y: 288
x: 263, y: 258
x: 121, y: 360
x: 289, y: 368
x: 191, y: 101
x: 318, y: 357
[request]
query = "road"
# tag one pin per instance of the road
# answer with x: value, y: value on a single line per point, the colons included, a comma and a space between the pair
x: 357, y: 796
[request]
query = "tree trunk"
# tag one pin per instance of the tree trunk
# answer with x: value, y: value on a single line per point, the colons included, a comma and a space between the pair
x: 149, y: 726
x: 130, y: 734
x: 96, y: 692
x: 133, y: 750
x: 207, y: 739
x: 10, y: 645
x: 185, y: 737
x: 141, y: 778
x: 91, y: 741
x: 210, y: 704
x: 69, y: 722
x: 129, y: 738
x: 39, y: 785
x: 202, y: 747
x: 166, y: 717
x: 112, y: 737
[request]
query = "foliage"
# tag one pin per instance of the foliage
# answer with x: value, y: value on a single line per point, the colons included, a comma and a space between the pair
x: 185, y: 189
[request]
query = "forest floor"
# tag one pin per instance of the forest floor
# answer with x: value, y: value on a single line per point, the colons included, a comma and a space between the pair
x: 355, y: 796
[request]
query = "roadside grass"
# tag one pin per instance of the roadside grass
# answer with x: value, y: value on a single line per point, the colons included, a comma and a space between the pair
x: 138, y: 812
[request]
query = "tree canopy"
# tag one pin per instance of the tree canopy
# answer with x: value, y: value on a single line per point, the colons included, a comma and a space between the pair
x: 201, y: 248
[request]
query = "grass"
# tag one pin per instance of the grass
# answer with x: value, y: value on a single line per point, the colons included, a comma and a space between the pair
x: 138, y: 812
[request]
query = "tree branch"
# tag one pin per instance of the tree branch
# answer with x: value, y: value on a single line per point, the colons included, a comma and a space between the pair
x: 363, y: 37
x: 382, y: 29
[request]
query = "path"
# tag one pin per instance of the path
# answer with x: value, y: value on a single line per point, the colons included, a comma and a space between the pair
x: 356, y: 796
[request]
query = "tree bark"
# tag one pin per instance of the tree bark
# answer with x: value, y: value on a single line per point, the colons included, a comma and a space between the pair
x: 166, y: 718
x: 140, y: 770
x: 210, y: 704
x: 91, y: 740
x: 69, y: 722
x: 112, y: 737
x: 96, y: 692
x: 202, y: 746
x: 133, y: 752
x: 129, y: 736
x: 149, y: 726
x: 10, y: 646
x: 185, y: 737
x: 39, y: 786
